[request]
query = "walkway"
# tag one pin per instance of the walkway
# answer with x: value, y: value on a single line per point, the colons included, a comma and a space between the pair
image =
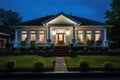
x: 60, y: 65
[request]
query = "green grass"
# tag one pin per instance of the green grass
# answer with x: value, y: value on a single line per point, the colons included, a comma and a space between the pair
x: 94, y: 61
x: 27, y: 61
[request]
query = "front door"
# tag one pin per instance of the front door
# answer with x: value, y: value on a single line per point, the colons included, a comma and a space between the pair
x: 60, y: 39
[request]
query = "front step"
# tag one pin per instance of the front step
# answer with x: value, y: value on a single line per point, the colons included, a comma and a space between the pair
x: 61, y: 50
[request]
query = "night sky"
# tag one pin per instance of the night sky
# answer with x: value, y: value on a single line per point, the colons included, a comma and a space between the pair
x: 30, y: 9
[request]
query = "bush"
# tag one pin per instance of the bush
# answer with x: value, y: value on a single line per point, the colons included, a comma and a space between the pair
x: 17, y: 50
x: 70, y: 51
x: 38, y: 66
x: 9, y: 46
x: 113, y: 45
x: 107, y: 66
x: 90, y: 43
x: 99, y: 42
x: 10, y: 66
x: 50, y: 51
x: 84, y: 66
x: 42, y: 52
x: 33, y: 45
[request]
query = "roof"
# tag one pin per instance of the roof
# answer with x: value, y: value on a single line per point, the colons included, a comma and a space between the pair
x: 40, y: 21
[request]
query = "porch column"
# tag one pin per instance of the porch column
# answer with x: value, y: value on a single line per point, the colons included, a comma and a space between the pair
x: 93, y: 35
x: 105, y: 39
x: 49, y: 40
x: 15, y: 42
x: 28, y: 38
x: 37, y: 36
x: 74, y: 40
x: 84, y: 36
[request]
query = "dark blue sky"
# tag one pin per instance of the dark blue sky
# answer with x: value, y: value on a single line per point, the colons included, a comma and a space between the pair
x: 30, y: 9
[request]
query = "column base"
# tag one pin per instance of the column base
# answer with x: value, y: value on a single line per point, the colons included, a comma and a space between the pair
x: 74, y: 42
x: 48, y: 42
x: 105, y: 43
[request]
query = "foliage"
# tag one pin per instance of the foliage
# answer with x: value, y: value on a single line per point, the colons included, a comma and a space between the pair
x: 42, y: 51
x: 113, y: 18
x: 33, y: 45
x: 107, y: 66
x: 9, y: 17
x: 99, y: 42
x: 10, y: 66
x: 50, y: 51
x: 70, y: 51
x: 17, y: 50
x: 38, y: 66
x: 90, y: 43
x: 9, y: 46
x: 112, y: 44
x: 83, y: 65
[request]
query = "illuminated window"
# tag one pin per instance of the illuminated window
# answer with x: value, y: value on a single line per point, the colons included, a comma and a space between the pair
x: 88, y: 35
x: 24, y: 35
x: 97, y: 35
x: 41, y: 36
x: 80, y: 35
x: 33, y: 36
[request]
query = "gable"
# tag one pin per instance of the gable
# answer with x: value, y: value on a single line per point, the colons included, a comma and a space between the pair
x: 61, y: 19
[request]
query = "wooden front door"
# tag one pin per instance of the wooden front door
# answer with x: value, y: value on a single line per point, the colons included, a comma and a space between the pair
x: 60, y: 39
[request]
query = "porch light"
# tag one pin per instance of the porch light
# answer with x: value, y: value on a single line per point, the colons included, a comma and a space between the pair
x: 67, y: 32
x: 53, y: 32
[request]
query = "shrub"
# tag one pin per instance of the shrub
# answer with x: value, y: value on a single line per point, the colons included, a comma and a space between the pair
x: 112, y: 45
x: 10, y: 66
x: 99, y: 42
x: 33, y: 45
x: 84, y: 66
x: 42, y: 51
x: 90, y: 43
x: 9, y: 46
x: 38, y: 66
x: 17, y: 50
x: 50, y: 51
x: 70, y: 51
x: 107, y: 66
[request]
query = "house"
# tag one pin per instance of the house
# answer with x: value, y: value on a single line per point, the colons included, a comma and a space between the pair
x: 60, y: 29
x: 4, y: 37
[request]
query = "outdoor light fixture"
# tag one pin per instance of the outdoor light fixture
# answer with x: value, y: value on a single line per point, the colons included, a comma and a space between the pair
x: 53, y: 32
x: 67, y: 32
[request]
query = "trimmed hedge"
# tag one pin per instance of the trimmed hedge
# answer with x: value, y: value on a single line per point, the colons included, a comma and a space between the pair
x: 10, y: 66
x: 38, y: 66
x: 83, y: 65
x: 107, y: 66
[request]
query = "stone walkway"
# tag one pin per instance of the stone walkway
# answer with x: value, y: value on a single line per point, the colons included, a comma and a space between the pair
x: 60, y: 65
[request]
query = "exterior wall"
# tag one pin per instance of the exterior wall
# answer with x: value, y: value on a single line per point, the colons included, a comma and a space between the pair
x: 17, y: 42
x: 18, y: 36
x: 3, y: 40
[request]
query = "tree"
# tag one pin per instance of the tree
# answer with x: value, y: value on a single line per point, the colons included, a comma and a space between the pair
x: 113, y: 18
x: 8, y: 17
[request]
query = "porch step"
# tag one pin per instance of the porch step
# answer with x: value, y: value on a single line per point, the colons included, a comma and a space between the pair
x: 60, y: 50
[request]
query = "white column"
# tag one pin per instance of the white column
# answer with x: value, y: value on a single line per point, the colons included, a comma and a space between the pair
x: 105, y: 39
x: 84, y: 36
x: 15, y: 35
x: 37, y: 36
x: 49, y: 40
x: 15, y: 44
x: 74, y: 40
x: 28, y: 36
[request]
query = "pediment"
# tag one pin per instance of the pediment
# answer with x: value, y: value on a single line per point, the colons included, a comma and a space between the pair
x: 61, y: 19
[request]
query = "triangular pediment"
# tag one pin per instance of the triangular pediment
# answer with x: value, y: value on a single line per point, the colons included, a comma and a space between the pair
x: 61, y: 19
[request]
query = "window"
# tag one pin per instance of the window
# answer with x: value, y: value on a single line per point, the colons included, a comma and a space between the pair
x: 24, y: 35
x: 97, y: 35
x: 33, y: 36
x: 41, y: 36
x: 80, y: 36
x: 88, y: 35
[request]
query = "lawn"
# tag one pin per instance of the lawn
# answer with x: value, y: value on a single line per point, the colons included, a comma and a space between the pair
x: 27, y: 61
x: 94, y: 61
